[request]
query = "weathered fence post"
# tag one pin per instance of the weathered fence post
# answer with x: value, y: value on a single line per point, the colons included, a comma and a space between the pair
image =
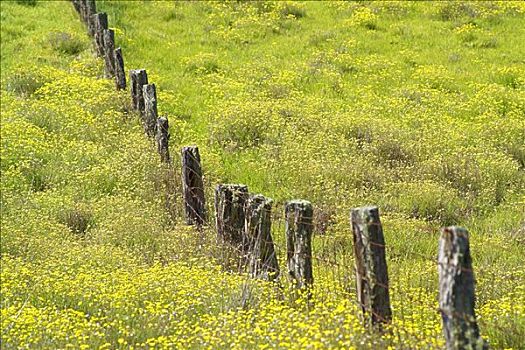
x: 86, y: 9
x: 456, y: 291
x: 120, y: 73
x: 162, y: 137
x: 99, y: 22
x: 149, y: 92
x: 298, y: 224
x: 230, y: 203
x: 192, y: 186
x: 83, y: 10
x: 138, y: 78
x: 370, y: 265
x: 91, y: 9
x: 263, y: 260
x: 109, y: 54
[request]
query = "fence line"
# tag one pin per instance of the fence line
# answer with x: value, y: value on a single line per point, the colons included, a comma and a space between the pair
x: 243, y: 223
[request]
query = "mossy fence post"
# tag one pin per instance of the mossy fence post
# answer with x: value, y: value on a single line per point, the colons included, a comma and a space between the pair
x: 298, y: 225
x: 230, y: 203
x: 263, y: 260
x: 138, y: 78
x: 162, y: 138
x: 149, y: 92
x: 108, y: 37
x: 120, y: 73
x: 100, y: 23
x: 192, y: 186
x: 456, y: 291
x: 370, y: 266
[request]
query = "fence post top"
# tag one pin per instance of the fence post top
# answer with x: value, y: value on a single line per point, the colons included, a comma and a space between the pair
x: 454, y: 236
x: 98, y: 14
x: 233, y: 187
x: 299, y: 202
x: 364, y: 214
x: 454, y: 230
x: 366, y: 209
x: 137, y: 71
x: 259, y: 198
x: 299, y: 205
x: 148, y: 87
x: 191, y: 148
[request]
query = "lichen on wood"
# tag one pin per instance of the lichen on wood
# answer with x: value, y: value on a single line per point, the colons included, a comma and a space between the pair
x: 456, y: 291
x: 370, y: 264
x: 162, y: 137
x: 298, y: 226
x: 150, y: 109
x: 230, y: 202
x: 192, y: 186
x: 262, y: 260
x: 138, y: 78
x: 120, y: 73
x: 109, y: 52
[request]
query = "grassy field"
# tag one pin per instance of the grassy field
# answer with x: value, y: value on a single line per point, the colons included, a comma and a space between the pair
x: 418, y: 108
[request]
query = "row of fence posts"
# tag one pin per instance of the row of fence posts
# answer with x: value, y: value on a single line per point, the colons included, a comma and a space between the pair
x: 243, y: 220
x: 104, y: 40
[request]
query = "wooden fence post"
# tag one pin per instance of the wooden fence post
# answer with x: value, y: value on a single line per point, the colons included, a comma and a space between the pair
x: 370, y: 265
x: 263, y: 260
x: 162, y: 137
x: 109, y: 52
x: 230, y: 203
x: 82, y: 8
x: 100, y: 22
x: 298, y: 224
x: 138, y: 78
x: 91, y: 9
x: 149, y: 92
x: 192, y: 186
x: 120, y: 73
x: 456, y: 291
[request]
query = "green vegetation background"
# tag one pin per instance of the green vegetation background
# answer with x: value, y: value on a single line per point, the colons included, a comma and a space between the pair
x: 418, y: 108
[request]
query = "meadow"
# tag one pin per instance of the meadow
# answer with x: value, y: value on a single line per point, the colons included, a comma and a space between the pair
x: 416, y: 107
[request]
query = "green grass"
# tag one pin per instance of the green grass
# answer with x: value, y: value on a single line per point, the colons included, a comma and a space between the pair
x: 406, y: 101
x: 418, y: 108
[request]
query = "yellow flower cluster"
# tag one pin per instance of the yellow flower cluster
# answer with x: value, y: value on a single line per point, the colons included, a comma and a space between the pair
x: 363, y: 16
